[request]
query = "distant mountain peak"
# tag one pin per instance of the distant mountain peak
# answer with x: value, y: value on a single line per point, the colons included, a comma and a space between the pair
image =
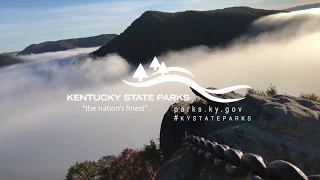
x: 155, y: 32
x: 156, y: 15
x: 303, y: 7
x: 7, y: 60
x: 65, y: 44
x: 239, y: 8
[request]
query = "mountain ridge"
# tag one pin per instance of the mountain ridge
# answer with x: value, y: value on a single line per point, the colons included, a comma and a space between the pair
x: 303, y: 7
x: 7, y: 60
x: 65, y: 44
x: 155, y: 32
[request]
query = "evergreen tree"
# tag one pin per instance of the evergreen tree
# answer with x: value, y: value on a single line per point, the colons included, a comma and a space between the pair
x: 163, y: 69
x: 140, y: 73
x: 155, y: 64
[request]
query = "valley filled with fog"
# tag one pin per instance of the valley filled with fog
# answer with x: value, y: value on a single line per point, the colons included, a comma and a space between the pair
x: 42, y: 134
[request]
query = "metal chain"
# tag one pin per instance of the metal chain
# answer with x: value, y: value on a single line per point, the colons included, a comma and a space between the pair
x: 247, y: 165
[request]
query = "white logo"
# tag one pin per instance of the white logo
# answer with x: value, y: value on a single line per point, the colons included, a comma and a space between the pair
x: 165, y: 75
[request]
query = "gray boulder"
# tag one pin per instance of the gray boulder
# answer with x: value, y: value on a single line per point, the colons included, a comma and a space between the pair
x: 280, y: 128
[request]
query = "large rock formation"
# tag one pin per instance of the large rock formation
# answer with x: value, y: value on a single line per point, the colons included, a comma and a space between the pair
x: 280, y: 128
x: 154, y: 33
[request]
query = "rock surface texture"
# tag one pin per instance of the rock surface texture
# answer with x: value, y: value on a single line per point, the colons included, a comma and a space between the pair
x: 280, y: 128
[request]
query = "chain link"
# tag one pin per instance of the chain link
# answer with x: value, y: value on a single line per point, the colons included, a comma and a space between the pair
x: 237, y: 164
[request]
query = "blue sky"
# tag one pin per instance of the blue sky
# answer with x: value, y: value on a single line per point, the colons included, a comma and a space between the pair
x: 25, y: 22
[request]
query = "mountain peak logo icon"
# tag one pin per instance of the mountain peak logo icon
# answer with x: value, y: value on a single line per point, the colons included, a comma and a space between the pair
x: 165, y: 74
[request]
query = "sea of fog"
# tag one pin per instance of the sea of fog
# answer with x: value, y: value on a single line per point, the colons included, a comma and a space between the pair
x: 42, y: 134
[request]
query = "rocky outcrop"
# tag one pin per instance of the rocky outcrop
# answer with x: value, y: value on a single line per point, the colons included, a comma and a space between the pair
x: 279, y: 128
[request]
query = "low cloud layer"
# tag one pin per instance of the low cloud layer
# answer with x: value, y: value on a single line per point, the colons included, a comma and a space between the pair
x: 41, y: 134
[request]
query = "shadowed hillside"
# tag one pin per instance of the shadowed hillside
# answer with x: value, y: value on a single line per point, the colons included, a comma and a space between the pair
x: 6, y: 60
x: 61, y: 45
x: 156, y: 32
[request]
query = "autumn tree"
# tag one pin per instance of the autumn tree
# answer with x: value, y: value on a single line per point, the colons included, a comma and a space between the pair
x: 82, y: 171
x: 152, y: 154
x: 128, y: 165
